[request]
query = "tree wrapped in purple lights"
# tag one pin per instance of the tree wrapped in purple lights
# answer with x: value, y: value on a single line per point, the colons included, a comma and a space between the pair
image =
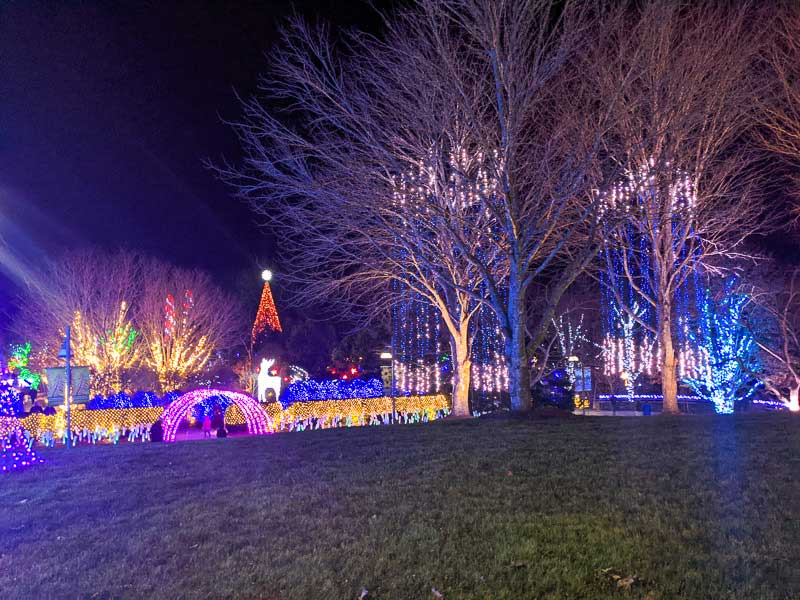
x: 15, y: 450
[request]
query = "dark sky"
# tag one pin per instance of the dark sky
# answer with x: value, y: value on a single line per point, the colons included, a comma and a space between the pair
x: 107, y: 109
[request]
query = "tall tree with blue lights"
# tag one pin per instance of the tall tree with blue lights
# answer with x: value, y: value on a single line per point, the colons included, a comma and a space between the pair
x: 727, y: 348
x: 685, y: 204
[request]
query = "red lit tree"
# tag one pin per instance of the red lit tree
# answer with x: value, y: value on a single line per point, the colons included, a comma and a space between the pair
x: 267, y: 315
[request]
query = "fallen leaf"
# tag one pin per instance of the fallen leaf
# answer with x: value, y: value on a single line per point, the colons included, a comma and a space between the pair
x: 626, y: 583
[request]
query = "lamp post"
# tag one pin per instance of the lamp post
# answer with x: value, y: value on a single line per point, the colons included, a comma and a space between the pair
x: 68, y: 385
x: 388, y: 356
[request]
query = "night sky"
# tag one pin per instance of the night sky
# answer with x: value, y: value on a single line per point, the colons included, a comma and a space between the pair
x: 107, y: 110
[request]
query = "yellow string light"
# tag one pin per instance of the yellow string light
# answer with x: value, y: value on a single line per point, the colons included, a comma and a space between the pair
x: 331, y: 413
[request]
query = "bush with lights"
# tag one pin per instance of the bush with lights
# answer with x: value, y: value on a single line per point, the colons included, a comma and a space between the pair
x: 140, y: 399
x: 331, y: 389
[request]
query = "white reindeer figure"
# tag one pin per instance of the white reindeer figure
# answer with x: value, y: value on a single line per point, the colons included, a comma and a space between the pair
x: 267, y: 381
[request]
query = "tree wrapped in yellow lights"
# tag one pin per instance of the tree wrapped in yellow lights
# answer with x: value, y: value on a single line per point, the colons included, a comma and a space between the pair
x: 185, y: 320
x: 109, y: 354
x: 91, y: 292
x: 117, y: 305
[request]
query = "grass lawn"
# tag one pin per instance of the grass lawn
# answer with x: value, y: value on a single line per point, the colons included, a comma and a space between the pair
x: 691, y: 507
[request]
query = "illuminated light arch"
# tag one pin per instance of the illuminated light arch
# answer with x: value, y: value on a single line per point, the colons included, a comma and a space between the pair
x: 257, y: 421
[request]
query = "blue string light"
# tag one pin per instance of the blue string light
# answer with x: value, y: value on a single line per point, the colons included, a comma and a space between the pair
x: 728, y: 351
x: 331, y: 389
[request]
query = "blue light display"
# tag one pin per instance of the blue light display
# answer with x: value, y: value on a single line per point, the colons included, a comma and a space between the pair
x: 140, y: 399
x: 331, y: 389
x: 205, y: 408
x: 728, y: 351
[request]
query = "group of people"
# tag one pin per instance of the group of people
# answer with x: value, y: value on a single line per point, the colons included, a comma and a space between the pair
x: 221, y: 431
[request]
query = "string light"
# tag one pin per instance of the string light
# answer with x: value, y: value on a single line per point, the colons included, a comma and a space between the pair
x: 86, y: 423
x: 331, y: 389
x: 135, y: 423
x: 256, y: 419
x: 109, y: 353
x: 727, y: 351
x: 267, y: 314
x: 656, y: 397
x: 20, y: 358
x: 629, y: 347
x: 182, y: 350
x: 570, y: 338
x: 16, y: 450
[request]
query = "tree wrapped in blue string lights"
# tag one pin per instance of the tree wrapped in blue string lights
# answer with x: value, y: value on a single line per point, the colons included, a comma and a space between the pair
x: 728, y: 353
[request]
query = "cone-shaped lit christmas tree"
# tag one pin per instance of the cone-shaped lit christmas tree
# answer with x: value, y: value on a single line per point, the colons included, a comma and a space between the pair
x: 15, y: 453
x: 267, y: 315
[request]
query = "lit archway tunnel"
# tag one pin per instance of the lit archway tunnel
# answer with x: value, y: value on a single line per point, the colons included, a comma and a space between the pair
x: 258, y: 422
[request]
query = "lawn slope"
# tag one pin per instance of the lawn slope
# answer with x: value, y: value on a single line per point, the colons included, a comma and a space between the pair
x: 690, y: 507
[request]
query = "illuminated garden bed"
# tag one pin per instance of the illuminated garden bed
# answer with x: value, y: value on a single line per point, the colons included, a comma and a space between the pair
x: 92, y: 426
x: 353, y: 412
x: 134, y: 424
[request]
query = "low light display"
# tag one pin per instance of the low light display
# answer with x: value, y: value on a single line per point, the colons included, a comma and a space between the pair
x: 92, y: 425
x: 113, y: 425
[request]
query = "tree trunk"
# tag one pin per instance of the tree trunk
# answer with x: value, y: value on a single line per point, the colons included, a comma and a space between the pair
x: 462, y: 366
x: 519, y: 375
x: 794, y: 399
x: 669, y: 377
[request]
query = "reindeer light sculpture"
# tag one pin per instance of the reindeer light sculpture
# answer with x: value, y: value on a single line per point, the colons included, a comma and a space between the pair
x: 267, y: 381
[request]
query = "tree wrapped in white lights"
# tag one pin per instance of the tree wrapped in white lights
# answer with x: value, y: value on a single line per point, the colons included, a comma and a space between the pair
x: 471, y: 113
x: 451, y: 158
x: 625, y: 353
x: 687, y: 201
x: 727, y: 351
x: 571, y: 338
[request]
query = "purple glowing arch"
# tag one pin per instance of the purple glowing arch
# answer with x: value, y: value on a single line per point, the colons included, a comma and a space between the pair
x: 257, y: 421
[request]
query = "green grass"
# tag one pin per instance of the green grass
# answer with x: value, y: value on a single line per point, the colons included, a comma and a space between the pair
x: 692, y: 507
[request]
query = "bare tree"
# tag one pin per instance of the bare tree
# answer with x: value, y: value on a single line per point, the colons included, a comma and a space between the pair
x: 367, y: 188
x: 184, y: 320
x: 472, y: 112
x: 781, y: 111
x: 686, y: 200
x: 778, y: 335
x: 91, y: 292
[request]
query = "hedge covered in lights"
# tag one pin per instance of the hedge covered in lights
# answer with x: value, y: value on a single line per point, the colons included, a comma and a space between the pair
x: 312, y: 390
x: 135, y: 423
x: 138, y: 400
x: 349, y: 412
x: 38, y: 424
